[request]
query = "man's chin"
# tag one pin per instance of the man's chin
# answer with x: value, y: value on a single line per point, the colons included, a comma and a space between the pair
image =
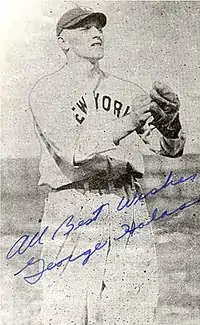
x: 95, y: 57
x: 98, y: 55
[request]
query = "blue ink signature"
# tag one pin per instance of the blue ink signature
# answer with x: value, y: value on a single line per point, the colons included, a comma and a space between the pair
x: 140, y: 197
x: 37, y: 239
x: 23, y: 240
x: 34, y: 278
x: 67, y: 223
x: 155, y: 217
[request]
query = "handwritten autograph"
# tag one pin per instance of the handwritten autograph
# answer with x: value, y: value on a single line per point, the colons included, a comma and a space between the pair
x: 155, y: 217
x: 141, y: 197
x: 37, y: 276
x: 25, y: 242
x: 37, y: 239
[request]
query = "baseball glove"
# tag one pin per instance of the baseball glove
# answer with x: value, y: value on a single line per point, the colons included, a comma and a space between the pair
x: 165, y: 110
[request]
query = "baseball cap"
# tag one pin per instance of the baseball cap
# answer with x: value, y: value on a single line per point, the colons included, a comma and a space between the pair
x: 76, y: 15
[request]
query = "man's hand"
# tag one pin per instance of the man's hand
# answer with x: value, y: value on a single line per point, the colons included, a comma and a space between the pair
x: 135, y: 120
x: 165, y: 110
x: 140, y: 111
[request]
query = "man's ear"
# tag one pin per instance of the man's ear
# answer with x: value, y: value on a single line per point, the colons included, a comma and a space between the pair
x: 63, y: 42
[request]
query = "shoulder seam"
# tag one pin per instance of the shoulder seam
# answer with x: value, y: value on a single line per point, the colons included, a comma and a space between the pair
x: 131, y: 82
x: 43, y: 77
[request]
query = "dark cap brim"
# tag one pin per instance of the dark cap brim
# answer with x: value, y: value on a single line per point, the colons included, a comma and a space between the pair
x: 99, y: 16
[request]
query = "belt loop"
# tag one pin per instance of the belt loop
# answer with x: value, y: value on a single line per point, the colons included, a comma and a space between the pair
x: 132, y: 182
x: 135, y: 185
x: 100, y: 192
x: 86, y: 187
x: 111, y: 186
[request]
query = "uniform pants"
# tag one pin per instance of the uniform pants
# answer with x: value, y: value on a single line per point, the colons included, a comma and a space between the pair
x: 118, y: 284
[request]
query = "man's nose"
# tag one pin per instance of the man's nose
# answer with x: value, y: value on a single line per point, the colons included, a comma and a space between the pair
x: 96, y: 32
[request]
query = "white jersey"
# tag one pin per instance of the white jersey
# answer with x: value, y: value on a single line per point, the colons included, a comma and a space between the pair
x: 76, y: 119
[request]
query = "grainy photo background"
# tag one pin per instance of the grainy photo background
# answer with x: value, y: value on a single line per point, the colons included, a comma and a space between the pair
x: 144, y: 41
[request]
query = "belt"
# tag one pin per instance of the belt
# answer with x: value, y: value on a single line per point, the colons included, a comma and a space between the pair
x: 101, y: 185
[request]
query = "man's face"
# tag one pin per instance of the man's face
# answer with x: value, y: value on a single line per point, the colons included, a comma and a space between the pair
x: 86, y: 40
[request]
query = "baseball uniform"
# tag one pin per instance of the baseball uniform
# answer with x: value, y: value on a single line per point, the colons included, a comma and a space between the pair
x: 75, y: 119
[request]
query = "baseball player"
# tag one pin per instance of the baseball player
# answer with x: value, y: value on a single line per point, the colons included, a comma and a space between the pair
x: 93, y: 128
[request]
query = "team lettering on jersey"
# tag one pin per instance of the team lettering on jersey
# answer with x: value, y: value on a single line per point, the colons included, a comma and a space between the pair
x: 105, y: 102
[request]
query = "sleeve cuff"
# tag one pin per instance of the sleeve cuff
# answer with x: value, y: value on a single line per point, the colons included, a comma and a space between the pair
x: 173, y: 147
